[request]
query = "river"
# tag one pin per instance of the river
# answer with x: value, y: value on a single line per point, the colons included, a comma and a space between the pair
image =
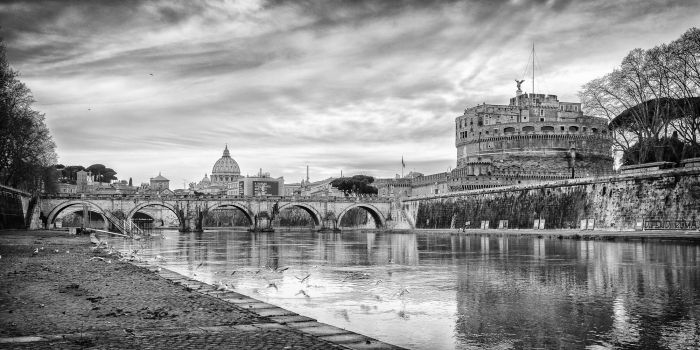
x: 442, y: 291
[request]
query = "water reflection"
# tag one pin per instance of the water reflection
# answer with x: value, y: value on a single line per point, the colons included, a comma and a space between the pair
x: 446, y: 291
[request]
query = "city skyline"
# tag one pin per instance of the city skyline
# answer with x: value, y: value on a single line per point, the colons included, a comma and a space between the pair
x: 149, y: 87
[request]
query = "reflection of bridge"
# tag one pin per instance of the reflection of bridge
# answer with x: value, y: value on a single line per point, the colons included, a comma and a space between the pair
x: 119, y: 210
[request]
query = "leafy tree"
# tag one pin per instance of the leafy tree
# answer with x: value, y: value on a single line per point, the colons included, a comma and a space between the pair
x: 26, y: 146
x: 357, y: 185
x: 102, y: 173
x: 651, y: 95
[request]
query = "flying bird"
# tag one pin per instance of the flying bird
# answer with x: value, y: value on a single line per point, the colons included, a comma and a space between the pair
x: 301, y: 280
x: 272, y: 285
x: 302, y: 292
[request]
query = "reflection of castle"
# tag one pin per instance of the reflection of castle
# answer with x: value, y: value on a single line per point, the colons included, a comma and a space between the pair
x: 226, y: 179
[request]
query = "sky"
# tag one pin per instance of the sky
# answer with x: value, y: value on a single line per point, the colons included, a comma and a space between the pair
x: 148, y: 87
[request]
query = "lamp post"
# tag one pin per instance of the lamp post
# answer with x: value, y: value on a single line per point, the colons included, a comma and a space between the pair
x: 572, y: 161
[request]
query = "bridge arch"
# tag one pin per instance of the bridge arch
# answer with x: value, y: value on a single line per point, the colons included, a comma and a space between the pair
x: 53, y: 213
x: 248, y: 214
x: 315, y: 215
x: 137, y: 208
x: 372, y: 210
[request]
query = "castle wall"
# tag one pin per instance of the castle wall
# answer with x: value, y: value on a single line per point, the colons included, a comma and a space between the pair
x: 619, y: 202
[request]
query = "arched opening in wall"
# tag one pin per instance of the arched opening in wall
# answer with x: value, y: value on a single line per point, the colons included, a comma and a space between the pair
x: 164, y: 216
x: 528, y: 128
x: 573, y: 128
x: 73, y: 215
x: 594, y: 130
x: 360, y: 217
x: 146, y: 222
x: 509, y: 130
x: 547, y: 129
x: 297, y: 216
x: 227, y: 215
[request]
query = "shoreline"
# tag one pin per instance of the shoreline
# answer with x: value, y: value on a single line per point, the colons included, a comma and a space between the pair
x: 60, y: 292
x: 577, y: 234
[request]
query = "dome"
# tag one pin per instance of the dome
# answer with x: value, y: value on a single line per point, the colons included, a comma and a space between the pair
x: 205, y: 179
x: 225, y: 169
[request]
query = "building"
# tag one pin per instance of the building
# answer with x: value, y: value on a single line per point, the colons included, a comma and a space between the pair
x: 67, y: 188
x: 224, y: 176
x: 225, y: 170
x: 159, y: 183
x: 84, y: 181
x: 261, y: 185
x: 532, y: 139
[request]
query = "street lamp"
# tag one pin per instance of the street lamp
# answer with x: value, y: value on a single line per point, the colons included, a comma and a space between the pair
x: 572, y: 160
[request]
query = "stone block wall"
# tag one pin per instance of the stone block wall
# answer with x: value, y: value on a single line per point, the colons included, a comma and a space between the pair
x: 13, y: 207
x: 614, y: 202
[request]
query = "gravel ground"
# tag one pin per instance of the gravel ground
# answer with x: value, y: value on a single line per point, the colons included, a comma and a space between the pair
x: 52, y: 287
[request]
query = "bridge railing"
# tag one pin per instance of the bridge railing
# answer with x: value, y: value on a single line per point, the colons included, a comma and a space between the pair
x: 125, y: 226
x: 369, y: 198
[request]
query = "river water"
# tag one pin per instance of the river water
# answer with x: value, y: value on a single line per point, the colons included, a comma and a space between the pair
x: 442, y: 291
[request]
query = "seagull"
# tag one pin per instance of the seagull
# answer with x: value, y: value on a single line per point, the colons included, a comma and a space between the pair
x: 232, y: 273
x: 200, y: 265
x: 301, y: 280
x: 283, y: 269
x: 272, y: 285
x: 378, y: 282
x: 151, y: 74
x: 302, y: 292
x: 36, y: 251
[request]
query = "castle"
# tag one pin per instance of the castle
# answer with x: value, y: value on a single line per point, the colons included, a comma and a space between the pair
x: 532, y: 139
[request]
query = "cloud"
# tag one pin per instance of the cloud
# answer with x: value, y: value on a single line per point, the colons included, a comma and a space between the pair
x: 148, y: 86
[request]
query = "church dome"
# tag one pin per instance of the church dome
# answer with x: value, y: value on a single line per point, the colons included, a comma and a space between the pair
x: 225, y: 169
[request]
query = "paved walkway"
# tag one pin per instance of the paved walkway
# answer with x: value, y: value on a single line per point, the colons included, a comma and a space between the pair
x: 57, y: 292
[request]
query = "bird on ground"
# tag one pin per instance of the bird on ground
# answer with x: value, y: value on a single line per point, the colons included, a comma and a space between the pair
x: 36, y: 251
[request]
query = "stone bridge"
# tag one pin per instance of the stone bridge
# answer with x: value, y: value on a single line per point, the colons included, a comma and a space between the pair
x: 326, y: 212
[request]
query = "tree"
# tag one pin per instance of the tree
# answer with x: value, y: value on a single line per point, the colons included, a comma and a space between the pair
x: 358, y: 185
x: 130, y: 182
x: 102, y: 173
x: 26, y: 146
x: 653, y: 94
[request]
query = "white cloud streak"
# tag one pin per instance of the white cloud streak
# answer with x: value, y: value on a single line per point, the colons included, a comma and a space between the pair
x: 149, y: 86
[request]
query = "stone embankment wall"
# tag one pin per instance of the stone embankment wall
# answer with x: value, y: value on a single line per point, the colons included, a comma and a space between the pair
x: 13, y: 207
x: 621, y: 202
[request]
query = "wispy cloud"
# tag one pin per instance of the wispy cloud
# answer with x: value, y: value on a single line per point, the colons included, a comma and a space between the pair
x: 148, y: 86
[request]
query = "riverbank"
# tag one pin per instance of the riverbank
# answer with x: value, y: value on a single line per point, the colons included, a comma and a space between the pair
x: 579, y: 234
x: 59, y: 292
